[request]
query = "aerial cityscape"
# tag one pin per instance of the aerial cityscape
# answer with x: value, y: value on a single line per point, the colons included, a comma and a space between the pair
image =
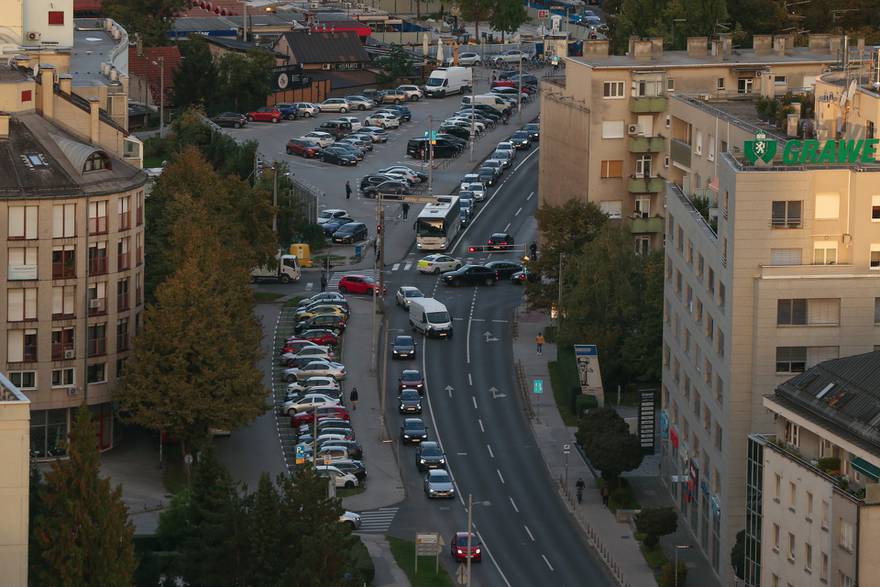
x: 423, y: 293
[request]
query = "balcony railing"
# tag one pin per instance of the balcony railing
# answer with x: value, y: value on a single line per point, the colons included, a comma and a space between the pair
x: 98, y: 225
x: 680, y: 152
x: 646, y: 185
x: 647, y: 144
x: 97, y: 265
x: 62, y: 351
x: 97, y: 347
x: 29, y: 353
x: 647, y: 104
x: 63, y: 270
x: 125, y: 221
x: 122, y: 261
x: 651, y: 224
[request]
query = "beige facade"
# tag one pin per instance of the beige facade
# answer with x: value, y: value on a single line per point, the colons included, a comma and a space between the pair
x: 14, y: 484
x: 605, y: 125
x: 776, y: 270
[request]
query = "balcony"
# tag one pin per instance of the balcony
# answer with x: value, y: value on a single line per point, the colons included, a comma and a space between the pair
x: 680, y: 152
x: 97, y: 347
x: 122, y: 261
x: 646, y: 185
x: 97, y: 306
x: 62, y: 351
x: 97, y: 265
x: 651, y: 224
x: 647, y: 144
x: 647, y: 104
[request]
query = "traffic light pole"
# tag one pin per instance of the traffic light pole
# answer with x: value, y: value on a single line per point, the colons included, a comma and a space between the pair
x: 430, y: 154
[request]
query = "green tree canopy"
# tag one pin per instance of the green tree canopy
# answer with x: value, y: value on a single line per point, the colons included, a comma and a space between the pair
x: 82, y: 531
x: 195, y: 79
x: 608, y: 444
x: 150, y: 18
x: 656, y: 522
x: 245, y: 80
x: 396, y: 65
x: 476, y: 11
x: 507, y: 16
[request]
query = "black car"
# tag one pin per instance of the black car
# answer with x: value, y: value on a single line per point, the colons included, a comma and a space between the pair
x: 418, y: 149
x: 389, y: 188
x: 335, y: 224
x: 358, y: 153
x: 500, y: 241
x: 350, y: 233
x: 481, y: 114
x: 404, y: 347
x: 233, y: 119
x: 411, y: 379
x: 413, y: 431
x: 456, y: 131
x: 504, y: 269
x: 534, y: 130
x: 429, y: 455
x: 520, y: 139
x: 323, y: 321
x: 374, y: 179
x: 470, y: 275
x: 405, y: 112
x: 337, y: 155
x: 527, y: 79
x: 520, y: 277
x: 496, y: 164
x: 409, y: 402
x: 488, y: 175
x: 445, y: 137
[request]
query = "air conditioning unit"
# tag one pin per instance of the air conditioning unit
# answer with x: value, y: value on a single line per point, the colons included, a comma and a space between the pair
x: 33, y: 35
x: 633, y: 129
x: 759, y: 73
x: 96, y: 304
x: 69, y: 354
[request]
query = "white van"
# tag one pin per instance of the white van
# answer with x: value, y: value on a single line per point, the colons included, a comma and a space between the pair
x: 496, y: 102
x: 449, y: 80
x: 430, y: 317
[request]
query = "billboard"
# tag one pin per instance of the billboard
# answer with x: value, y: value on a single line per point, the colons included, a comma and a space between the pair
x: 589, y: 375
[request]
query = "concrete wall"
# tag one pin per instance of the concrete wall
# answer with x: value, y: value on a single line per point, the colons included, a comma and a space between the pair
x: 14, y: 481
x: 564, y: 155
x: 11, y: 21
x: 35, y: 19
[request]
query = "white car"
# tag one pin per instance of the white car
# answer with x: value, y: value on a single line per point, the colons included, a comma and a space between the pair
x: 346, y: 480
x: 406, y: 293
x: 324, y: 139
x: 469, y: 59
x: 468, y: 179
x: 309, y: 401
x: 438, y: 263
x: 412, y: 92
x: 352, y: 519
x: 307, y: 109
x: 477, y: 124
x: 354, y: 121
x: 317, y: 381
x: 383, y: 120
x: 314, y: 368
x: 360, y: 102
x: 478, y: 189
x: 327, y: 215
x: 512, y: 56
x: 398, y: 170
x: 314, y: 352
x: 335, y: 105
x: 506, y: 146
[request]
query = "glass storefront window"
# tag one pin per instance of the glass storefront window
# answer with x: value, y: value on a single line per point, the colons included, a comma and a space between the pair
x: 48, y: 433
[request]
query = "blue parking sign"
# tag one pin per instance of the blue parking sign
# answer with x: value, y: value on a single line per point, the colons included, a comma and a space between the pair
x: 538, y: 386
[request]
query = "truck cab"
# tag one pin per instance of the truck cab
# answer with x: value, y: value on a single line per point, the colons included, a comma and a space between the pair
x: 286, y: 270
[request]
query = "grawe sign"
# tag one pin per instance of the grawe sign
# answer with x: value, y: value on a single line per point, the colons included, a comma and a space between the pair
x: 812, y: 152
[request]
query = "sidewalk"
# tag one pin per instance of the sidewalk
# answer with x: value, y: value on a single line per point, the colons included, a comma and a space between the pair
x: 613, y: 541
x: 388, y: 574
x: 384, y: 486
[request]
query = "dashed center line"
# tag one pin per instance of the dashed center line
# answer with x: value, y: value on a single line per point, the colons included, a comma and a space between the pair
x: 513, y: 503
x: 507, y: 227
x: 500, y: 476
x: 470, y: 381
x: 529, y: 197
x: 529, y: 532
x: 491, y: 454
x: 549, y: 566
x: 517, y: 211
x: 480, y: 421
x: 474, y: 398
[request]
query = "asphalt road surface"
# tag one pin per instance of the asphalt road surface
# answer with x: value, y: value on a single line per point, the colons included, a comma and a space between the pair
x: 529, y: 537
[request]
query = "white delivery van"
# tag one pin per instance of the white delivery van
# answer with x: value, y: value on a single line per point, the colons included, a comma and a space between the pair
x: 430, y: 317
x: 492, y: 100
x: 449, y: 80
x: 286, y: 270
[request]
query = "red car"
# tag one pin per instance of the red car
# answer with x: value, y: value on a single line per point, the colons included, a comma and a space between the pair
x: 320, y: 336
x: 265, y: 114
x: 411, y: 379
x: 506, y: 83
x: 308, y: 416
x: 459, y: 547
x: 295, y: 344
x: 303, y: 148
x: 357, y: 284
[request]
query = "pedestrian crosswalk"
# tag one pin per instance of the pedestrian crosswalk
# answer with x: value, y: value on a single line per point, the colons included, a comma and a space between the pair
x: 377, y: 521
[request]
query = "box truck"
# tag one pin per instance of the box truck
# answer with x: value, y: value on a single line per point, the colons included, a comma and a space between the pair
x: 449, y: 80
x: 285, y: 270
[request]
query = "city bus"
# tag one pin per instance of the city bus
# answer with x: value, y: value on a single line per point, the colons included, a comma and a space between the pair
x: 438, y: 224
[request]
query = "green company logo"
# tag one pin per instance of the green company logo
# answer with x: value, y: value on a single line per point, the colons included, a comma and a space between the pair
x: 809, y: 151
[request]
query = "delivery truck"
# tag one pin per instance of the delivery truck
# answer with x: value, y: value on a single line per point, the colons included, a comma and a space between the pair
x: 449, y: 80
x: 285, y: 270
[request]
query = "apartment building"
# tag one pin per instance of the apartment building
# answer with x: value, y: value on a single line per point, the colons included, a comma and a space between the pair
x: 813, y: 507
x: 605, y: 124
x: 771, y: 268
x: 14, y: 483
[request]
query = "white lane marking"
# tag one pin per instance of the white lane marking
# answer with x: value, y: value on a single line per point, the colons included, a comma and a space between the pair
x: 548, y: 562
x: 491, y: 454
x: 407, y: 265
x: 448, y: 466
x: 478, y: 319
x: 529, y: 532
x: 309, y: 286
x: 507, y: 227
x: 529, y: 197
x: 474, y: 398
x: 468, y: 335
x: 518, y: 210
x: 499, y: 321
x: 470, y: 381
x: 481, y: 425
x: 499, y: 475
x: 395, y: 267
x: 513, y: 503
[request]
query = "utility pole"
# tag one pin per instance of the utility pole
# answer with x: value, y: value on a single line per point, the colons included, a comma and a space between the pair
x: 473, y: 115
x: 383, y: 382
x: 519, y: 92
x: 430, y: 155
x: 470, y: 525
x: 375, y: 292
x: 275, y: 197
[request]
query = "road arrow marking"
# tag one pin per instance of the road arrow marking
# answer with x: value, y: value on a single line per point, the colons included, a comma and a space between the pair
x: 495, y: 395
x: 449, y: 390
x: 489, y: 337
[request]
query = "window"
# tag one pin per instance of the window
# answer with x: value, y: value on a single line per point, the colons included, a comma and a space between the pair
x: 808, y: 556
x: 790, y: 312
x: 825, y: 513
x: 719, y: 436
x: 670, y: 84
x: 786, y: 214
x: 63, y: 344
x: 63, y: 377
x: 827, y: 206
x: 710, y: 285
x: 23, y: 379
x: 48, y: 432
x: 26, y: 95
x: 139, y: 216
x: 722, y: 295
x: 612, y: 90
x: 700, y: 266
x: 122, y: 295
x: 744, y: 85
x: 720, y: 343
x: 98, y: 258
x: 678, y: 282
x: 792, y: 434
x: 809, y: 504
x: 698, y: 146
x: 643, y: 165
x: 63, y: 301
x: 719, y: 83
x: 64, y: 221
x: 139, y: 248
x: 64, y: 262
x: 21, y: 304
x: 707, y: 371
x: 876, y: 310
x: 138, y: 288
x: 613, y: 129
x: 785, y: 256
x: 97, y: 339
x: 875, y: 256
x: 56, y: 17
x: 875, y: 208
x: 791, y: 359
x: 792, y: 495
x: 21, y: 345
x: 824, y: 252
x: 22, y: 263
x: 120, y: 367
x: 791, y: 546
x: 779, y: 80
x: 96, y: 162
x: 612, y: 208
x: 680, y: 236
x: 823, y: 570
x: 711, y: 144
x: 138, y: 323
x: 98, y: 217
x: 122, y: 254
x: 97, y: 373
x: 612, y: 168
x: 710, y: 326
x: 122, y: 335
x: 642, y: 244
x: 124, y: 212
x: 97, y: 296
x: 719, y: 390
x: 774, y: 578
x: 643, y: 207
x: 846, y: 535
x: 698, y: 311
x: 776, y: 536
x: 22, y: 222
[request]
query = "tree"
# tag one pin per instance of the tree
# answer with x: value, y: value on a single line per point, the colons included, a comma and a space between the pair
x: 643, y: 18
x: 195, y: 79
x: 608, y: 444
x: 246, y: 80
x: 507, y: 16
x: 641, y: 348
x: 264, y: 534
x: 150, y: 18
x: 82, y: 531
x: 656, y: 522
x: 476, y: 11
x: 738, y: 555
x: 396, y: 65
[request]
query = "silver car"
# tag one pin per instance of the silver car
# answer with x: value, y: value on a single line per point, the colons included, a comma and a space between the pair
x: 405, y: 295
x: 307, y: 109
x: 360, y: 102
x: 335, y: 105
x: 438, y: 484
x: 469, y: 59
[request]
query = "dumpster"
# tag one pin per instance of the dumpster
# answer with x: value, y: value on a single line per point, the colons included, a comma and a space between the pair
x: 303, y: 252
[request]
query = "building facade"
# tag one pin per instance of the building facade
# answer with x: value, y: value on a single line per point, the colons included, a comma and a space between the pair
x: 14, y: 483
x: 770, y: 269
x: 605, y: 124
x: 816, y: 479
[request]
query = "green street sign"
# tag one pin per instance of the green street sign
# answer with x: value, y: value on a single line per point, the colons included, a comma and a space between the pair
x: 812, y: 152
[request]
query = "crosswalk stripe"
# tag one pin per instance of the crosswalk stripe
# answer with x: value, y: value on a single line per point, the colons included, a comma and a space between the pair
x: 377, y: 521
x: 407, y: 266
x: 395, y: 267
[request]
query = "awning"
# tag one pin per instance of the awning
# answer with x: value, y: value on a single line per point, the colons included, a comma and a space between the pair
x: 865, y: 468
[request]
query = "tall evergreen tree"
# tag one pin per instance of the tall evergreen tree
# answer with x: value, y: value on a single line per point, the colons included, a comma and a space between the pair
x: 195, y: 80
x: 82, y: 530
x: 264, y: 534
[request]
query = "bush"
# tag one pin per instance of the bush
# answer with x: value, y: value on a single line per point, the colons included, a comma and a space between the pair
x: 667, y: 577
x: 362, y: 564
x: 656, y: 522
x: 829, y: 464
x: 583, y: 403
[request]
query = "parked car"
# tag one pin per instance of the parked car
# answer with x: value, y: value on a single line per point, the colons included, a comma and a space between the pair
x: 335, y: 105
x: 404, y: 112
x: 319, y: 367
x: 363, y: 145
x: 322, y: 138
x: 359, y: 154
x: 353, y: 232
x: 321, y: 308
x: 330, y: 322
x: 413, y: 93
x: 310, y: 401
x: 231, y: 119
x: 316, y: 381
x: 307, y: 109
x: 389, y: 189
x: 415, y: 176
x: 395, y: 96
x: 468, y: 58
x: 377, y: 133
x: 354, y: 467
x: 303, y: 147
x: 360, y: 102
x: 325, y: 296
x: 288, y: 111
x: 265, y: 114
x: 340, y: 479
x: 510, y: 56
x: 470, y: 275
x: 357, y: 284
x: 320, y: 336
x: 383, y: 120
x: 337, y: 156
x: 335, y: 128
x: 354, y: 121
x: 331, y: 226
x: 323, y: 217
x: 405, y: 293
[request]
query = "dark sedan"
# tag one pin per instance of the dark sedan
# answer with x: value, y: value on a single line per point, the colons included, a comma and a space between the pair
x: 488, y: 175
x: 429, y: 455
x: 337, y: 156
x: 232, y: 119
x: 350, y: 233
x: 335, y: 224
x: 504, y: 269
x: 500, y: 241
x: 411, y: 379
x: 470, y: 275
x: 404, y: 111
x: 358, y: 153
x: 534, y: 130
x: 409, y: 402
x: 413, y: 431
x: 404, y: 347
x: 391, y: 188
x: 520, y: 139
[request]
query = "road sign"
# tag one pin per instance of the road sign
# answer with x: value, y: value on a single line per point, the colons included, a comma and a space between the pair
x: 566, y: 449
x: 328, y: 460
x: 427, y: 544
x: 433, y: 136
x: 543, y: 14
x: 538, y: 386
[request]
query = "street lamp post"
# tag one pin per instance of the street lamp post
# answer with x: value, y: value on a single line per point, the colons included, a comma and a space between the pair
x: 677, y: 548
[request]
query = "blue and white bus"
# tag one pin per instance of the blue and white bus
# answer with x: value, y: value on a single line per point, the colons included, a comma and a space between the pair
x: 438, y: 224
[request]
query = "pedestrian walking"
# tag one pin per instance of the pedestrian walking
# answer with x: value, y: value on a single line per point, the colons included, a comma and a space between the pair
x: 347, y: 190
x: 353, y: 398
x: 580, y: 485
x: 605, y: 494
x: 405, y: 209
x: 323, y: 281
x: 539, y: 341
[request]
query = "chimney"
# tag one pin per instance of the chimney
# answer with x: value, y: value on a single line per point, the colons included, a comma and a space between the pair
x: 642, y: 50
x: 140, y: 44
x: 632, y: 45
x: 715, y: 48
x: 4, y: 125
x: 726, y: 45
x: 779, y: 43
x: 596, y: 48
x: 94, y: 119
x: 65, y: 82
x: 47, y: 90
x: 834, y: 46
x: 657, y: 46
x: 762, y: 44
x: 697, y: 46
x: 819, y: 43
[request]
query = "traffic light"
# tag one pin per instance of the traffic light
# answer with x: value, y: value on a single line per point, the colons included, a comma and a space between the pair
x: 379, y: 229
x: 472, y: 249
